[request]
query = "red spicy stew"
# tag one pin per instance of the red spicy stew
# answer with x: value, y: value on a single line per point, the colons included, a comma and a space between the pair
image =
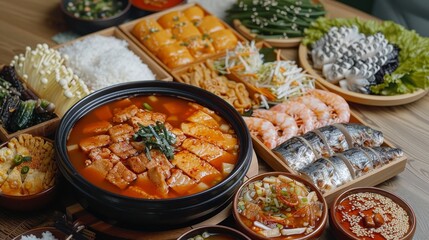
x: 153, y: 147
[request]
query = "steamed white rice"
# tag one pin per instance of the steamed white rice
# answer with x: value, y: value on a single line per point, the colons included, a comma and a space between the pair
x: 45, y: 236
x: 101, y: 61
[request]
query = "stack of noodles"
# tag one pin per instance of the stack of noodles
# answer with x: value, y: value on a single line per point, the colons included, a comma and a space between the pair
x: 43, y: 69
x: 297, y: 115
x: 205, y: 76
x: 333, y: 155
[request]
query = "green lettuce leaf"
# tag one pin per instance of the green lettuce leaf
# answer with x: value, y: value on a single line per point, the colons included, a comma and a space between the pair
x: 413, y: 71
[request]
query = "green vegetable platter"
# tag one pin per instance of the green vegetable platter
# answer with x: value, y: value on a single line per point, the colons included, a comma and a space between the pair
x: 280, y: 23
x: 367, y: 62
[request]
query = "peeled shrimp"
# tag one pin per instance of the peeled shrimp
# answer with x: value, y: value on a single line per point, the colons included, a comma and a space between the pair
x: 283, y: 121
x: 263, y: 128
x: 336, y: 102
x: 318, y: 107
x: 304, y: 117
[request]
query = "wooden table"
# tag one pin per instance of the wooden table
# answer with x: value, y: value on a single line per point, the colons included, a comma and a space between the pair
x: 29, y: 22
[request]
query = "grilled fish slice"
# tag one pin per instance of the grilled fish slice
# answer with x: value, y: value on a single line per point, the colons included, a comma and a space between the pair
x: 202, y: 149
x: 94, y: 142
x: 180, y: 182
x: 334, y: 138
x: 321, y: 173
x: 216, y: 137
x: 121, y: 132
x: 342, y: 171
x: 388, y: 154
x: 193, y: 166
x: 360, y: 135
x: 295, y: 152
x: 358, y: 159
x: 120, y: 176
x: 320, y: 147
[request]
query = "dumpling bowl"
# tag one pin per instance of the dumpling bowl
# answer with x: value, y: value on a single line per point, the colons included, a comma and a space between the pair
x: 22, y: 190
x: 385, y: 215
x: 279, y: 205
x: 155, y: 213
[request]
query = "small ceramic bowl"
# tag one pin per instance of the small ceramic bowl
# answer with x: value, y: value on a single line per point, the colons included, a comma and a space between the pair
x: 29, y: 202
x: 38, y: 232
x: 320, y: 223
x: 217, y: 230
x: 372, y: 220
x: 85, y: 26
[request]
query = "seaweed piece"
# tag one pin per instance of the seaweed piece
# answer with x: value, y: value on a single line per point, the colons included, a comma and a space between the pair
x: 22, y: 118
x: 8, y: 107
x: 8, y: 73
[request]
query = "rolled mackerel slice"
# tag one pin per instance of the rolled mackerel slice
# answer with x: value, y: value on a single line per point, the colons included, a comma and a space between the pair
x: 334, y: 138
x: 358, y: 135
x: 323, y: 174
x: 296, y: 152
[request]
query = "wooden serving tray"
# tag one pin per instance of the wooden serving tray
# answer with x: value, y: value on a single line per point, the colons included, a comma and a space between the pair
x: 373, y: 100
x: 159, y: 72
x: 77, y: 213
x: 128, y: 27
x: 372, y: 178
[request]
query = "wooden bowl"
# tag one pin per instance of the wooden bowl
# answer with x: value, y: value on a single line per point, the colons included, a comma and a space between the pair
x: 318, y: 230
x: 214, y: 230
x: 373, y: 100
x: 339, y: 230
x: 38, y: 232
x: 29, y: 202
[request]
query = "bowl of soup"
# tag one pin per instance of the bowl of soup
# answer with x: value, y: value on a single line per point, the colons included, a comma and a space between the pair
x: 278, y: 205
x: 153, y: 154
x: 371, y: 213
x: 213, y: 232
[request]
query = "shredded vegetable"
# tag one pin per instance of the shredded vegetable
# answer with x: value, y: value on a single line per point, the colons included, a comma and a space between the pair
x: 276, y: 81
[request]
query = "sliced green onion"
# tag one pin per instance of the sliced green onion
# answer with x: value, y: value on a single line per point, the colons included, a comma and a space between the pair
x: 147, y: 106
x: 25, y: 169
x: 17, y: 159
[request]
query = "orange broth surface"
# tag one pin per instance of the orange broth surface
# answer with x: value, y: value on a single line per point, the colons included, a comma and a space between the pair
x: 177, y: 110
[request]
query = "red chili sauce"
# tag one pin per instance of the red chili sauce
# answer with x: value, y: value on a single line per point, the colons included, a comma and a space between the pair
x: 372, y: 216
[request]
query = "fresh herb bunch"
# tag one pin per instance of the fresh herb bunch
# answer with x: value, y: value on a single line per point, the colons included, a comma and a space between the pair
x: 156, y: 137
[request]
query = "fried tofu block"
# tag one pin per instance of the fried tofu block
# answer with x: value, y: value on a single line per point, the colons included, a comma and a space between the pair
x: 204, y: 119
x: 186, y: 31
x: 157, y: 177
x: 121, y: 132
x: 13, y: 184
x: 94, y: 142
x: 123, y: 149
x: 194, y: 13
x: 159, y: 39
x: 33, y: 182
x: 122, y: 115
x: 213, y: 136
x: 200, y: 46
x: 193, y: 166
x: 101, y: 166
x: 180, y: 182
x: 6, y: 162
x: 120, y: 176
x: 223, y: 40
x: 146, y: 27
x: 97, y: 127
x: 175, y: 55
x: 171, y: 19
x: 210, y: 24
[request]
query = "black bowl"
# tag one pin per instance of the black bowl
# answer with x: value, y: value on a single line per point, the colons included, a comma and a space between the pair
x: 166, y: 213
x: 84, y: 26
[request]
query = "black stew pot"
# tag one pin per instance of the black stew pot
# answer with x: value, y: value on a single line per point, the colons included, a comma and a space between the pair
x: 145, y: 213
